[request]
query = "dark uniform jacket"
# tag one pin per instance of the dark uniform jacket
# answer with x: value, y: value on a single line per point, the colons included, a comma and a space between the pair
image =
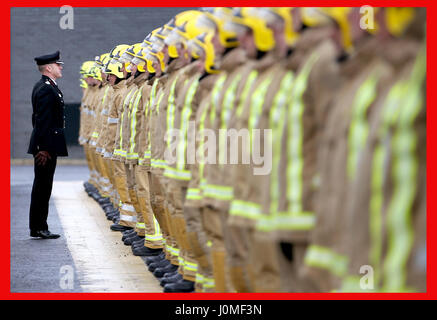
x: 47, y: 119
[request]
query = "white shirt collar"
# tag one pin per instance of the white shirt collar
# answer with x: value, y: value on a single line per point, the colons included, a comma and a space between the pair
x: 53, y: 81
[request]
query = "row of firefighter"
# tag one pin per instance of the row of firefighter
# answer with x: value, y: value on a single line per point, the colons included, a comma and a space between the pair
x: 266, y: 149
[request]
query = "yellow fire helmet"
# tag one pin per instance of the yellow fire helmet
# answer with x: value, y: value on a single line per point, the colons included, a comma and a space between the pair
x: 397, y: 20
x: 101, y: 60
x: 127, y: 56
x: 96, y: 73
x: 340, y: 16
x: 202, y: 45
x: 243, y: 20
x: 86, y: 67
x: 154, y: 56
x: 115, y: 69
x: 188, y: 30
x: 117, y: 52
x: 214, y: 19
x: 140, y: 60
x: 146, y: 42
x: 313, y: 17
x: 276, y: 15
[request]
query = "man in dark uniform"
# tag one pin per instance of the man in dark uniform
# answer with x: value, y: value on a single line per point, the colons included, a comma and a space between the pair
x: 47, y: 141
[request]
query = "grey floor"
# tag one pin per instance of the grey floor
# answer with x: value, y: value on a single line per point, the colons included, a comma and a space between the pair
x: 39, y: 265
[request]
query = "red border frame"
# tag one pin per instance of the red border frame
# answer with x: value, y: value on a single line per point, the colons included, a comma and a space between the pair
x: 5, y: 164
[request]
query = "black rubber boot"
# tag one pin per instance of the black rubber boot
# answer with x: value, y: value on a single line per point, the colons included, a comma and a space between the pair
x: 159, y: 272
x: 144, y: 251
x: 176, y: 277
x: 158, y: 264
x: 180, y: 286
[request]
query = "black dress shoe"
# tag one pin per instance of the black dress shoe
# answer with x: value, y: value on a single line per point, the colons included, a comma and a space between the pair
x: 144, y: 251
x: 159, y: 272
x: 152, y: 259
x: 44, y: 234
x: 119, y: 227
x: 176, y: 277
x: 180, y: 286
x: 158, y: 264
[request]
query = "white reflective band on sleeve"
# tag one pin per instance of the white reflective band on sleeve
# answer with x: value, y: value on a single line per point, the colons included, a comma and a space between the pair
x: 93, y: 143
x: 128, y: 207
x: 107, y: 154
x: 128, y: 218
x: 99, y: 150
x: 112, y: 120
x: 104, y: 112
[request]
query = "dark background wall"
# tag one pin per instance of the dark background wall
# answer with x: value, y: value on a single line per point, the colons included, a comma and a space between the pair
x: 36, y: 31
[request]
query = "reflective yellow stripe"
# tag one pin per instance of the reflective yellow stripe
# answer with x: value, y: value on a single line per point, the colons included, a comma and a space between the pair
x: 217, y: 87
x: 157, y: 236
x: 404, y: 174
x: 325, y: 258
x: 194, y: 194
x: 246, y: 209
x: 171, y: 109
x: 140, y: 225
x: 133, y: 125
x: 359, y: 127
x: 277, y: 118
x: 215, y: 97
x: 153, y: 92
x: 104, y: 96
x: 218, y: 192
x: 301, y: 221
x: 125, y: 105
x: 227, y: 107
x: 208, y: 282
x: 200, y: 278
x: 95, y: 134
x: 185, y: 117
x: 173, y: 173
x: 247, y: 86
x: 158, y: 163
x: 257, y: 101
x: 190, y: 266
x: 295, y: 139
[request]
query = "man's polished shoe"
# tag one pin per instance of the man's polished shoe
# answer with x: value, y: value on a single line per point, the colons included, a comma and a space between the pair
x: 119, y: 227
x: 180, y: 286
x: 144, y: 251
x: 44, y: 234
x: 159, y: 272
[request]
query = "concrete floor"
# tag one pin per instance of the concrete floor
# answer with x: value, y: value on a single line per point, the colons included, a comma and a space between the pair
x: 88, y: 257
